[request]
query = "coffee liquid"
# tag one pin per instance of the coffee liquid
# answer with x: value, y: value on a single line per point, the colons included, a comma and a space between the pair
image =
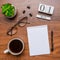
x: 16, y: 46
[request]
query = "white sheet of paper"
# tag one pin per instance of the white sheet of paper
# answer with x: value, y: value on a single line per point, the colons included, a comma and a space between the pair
x: 38, y: 40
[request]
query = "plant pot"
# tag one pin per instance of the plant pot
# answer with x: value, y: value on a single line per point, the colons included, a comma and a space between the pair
x: 9, y: 10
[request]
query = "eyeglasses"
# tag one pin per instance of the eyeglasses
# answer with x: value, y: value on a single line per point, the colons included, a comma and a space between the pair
x: 22, y: 22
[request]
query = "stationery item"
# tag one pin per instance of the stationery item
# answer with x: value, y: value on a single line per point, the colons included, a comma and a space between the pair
x: 28, y: 7
x: 46, y: 9
x: 30, y: 14
x: 43, y: 17
x: 38, y: 40
x: 15, y: 46
x: 24, y: 11
x: 52, y: 44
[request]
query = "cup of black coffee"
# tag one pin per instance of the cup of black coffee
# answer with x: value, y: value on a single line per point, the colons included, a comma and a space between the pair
x: 15, y: 46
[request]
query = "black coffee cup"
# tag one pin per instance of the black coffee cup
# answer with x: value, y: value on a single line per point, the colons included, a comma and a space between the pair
x: 15, y: 46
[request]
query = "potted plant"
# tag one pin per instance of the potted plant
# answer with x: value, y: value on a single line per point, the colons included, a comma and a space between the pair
x: 8, y: 10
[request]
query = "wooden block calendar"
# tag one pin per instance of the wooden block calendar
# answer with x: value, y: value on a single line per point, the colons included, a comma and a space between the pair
x: 46, y: 9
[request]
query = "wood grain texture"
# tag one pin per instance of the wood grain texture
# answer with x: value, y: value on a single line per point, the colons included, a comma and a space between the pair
x: 54, y: 25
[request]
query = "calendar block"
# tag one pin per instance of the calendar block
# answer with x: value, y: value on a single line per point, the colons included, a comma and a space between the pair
x: 43, y: 17
x: 46, y: 9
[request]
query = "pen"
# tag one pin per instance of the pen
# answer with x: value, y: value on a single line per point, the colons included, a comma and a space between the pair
x: 52, y: 44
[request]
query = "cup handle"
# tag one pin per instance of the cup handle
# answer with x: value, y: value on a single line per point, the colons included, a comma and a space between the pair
x: 6, y: 51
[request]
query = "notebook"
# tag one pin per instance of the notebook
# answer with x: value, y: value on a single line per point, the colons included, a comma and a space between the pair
x: 38, y: 40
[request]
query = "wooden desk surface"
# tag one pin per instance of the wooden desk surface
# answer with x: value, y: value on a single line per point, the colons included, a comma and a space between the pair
x: 54, y: 25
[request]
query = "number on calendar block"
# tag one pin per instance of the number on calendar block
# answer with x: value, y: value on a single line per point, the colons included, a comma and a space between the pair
x: 46, y: 9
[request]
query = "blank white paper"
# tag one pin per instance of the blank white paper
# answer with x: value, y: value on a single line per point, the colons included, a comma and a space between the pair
x: 38, y: 40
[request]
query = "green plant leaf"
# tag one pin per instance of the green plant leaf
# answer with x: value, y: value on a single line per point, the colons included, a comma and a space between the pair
x: 8, y: 9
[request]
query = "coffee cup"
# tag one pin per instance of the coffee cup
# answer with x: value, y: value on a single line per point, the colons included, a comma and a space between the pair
x: 15, y: 46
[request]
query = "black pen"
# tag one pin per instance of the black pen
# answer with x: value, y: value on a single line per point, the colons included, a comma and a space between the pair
x: 52, y: 42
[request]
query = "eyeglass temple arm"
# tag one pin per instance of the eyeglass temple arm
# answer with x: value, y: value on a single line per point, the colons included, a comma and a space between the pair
x: 10, y: 30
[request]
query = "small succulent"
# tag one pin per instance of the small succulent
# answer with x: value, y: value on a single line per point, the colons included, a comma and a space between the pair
x: 8, y: 9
